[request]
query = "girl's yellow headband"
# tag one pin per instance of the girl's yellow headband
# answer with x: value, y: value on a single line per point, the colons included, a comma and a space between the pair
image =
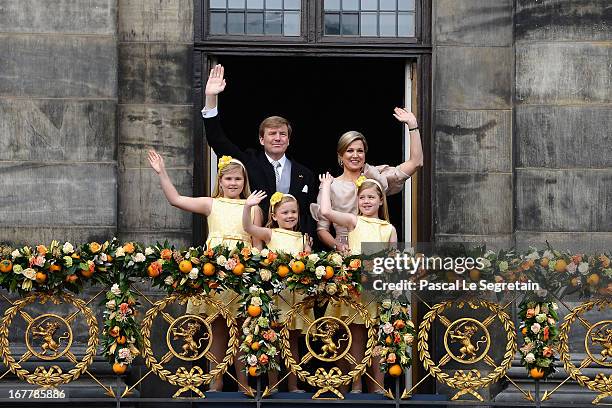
x: 225, y: 160
x: 363, y: 179
x: 277, y: 197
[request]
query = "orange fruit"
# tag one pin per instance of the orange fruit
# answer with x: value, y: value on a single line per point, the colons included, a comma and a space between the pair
x: 524, y: 331
x: 388, y: 340
x: 128, y: 248
x: 536, y: 373
x: 395, y: 370
x: 6, y: 266
x: 119, y: 368
x: 255, y: 346
x: 253, y: 371
x: 41, y: 277
x: 109, y: 258
x: 55, y: 268
x: 575, y: 281
x: 121, y: 339
x: 154, y: 270
x: 75, y: 256
x: 329, y: 272
x: 282, y: 271
x: 474, y: 274
x: 72, y: 278
x: 560, y: 265
x: 209, y: 269
x: 87, y: 273
x: 544, y: 262
x: 238, y: 269
x: 298, y: 267
x: 253, y: 310
x: 593, y: 279
x: 185, y: 266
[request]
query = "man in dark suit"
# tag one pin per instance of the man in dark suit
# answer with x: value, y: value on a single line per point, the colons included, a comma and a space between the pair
x: 269, y: 170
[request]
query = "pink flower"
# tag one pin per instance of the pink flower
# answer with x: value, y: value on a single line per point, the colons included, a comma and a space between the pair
x: 38, y: 261
x: 391, y: 358
x: 263, y: 359
x: 571, y: 268
x: 269, y: 335
x: 535, y: 328
x: 124, y: 308
x: 547, y: 351
x: 530, y: 313
x: 387, y: 328
x: 231, y: 264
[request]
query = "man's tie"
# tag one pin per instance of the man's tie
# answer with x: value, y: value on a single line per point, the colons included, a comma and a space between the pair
x: 277, y: 173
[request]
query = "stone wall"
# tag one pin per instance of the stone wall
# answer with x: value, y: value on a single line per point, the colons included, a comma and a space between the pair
x: 58, y: 100
x: 563, y: 117
x: 472, y: 83
x: 155, y: 111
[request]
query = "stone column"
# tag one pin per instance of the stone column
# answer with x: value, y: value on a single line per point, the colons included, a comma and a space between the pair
x: 563, y: 121
x: 58, y: 98
x: 472, y: 81
x: 155, y: 111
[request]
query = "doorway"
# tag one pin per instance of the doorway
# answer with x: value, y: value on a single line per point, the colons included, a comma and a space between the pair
x: 322, y: 98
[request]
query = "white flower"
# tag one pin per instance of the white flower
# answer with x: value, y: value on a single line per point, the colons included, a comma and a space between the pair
x: 254, y: 290
x: 548, y: 254
x: 387, y: 328
x: 221, y: 260
x: 120, y: 252
x: 503, y: 266
x: 17, y: 269
x: 551, y: 321
x: 246, y: 331
x: 139, y: 257
x: 252, y: 360
x: 336, y: 259
x: 583, y: 268
x: 331, y: 288
x: 169, y: 280
x: 15, y: 254
x: 115, y: 290
x: 540, y: 318
x: 111, y: 304
x: 255, y: 251
x: 193, y: 274
x: 103, y: 258
x: 67, y: 248
x: 532, y: 256
x: 29, y: 273
x: 265, y: 252
x: 320, y: 272
x: 408, y: 338
x: 314, y: 258
x: 535, y: 328
x: 256, y: 301
x: 149, y: 251
x: 554, y: 306
x: 386, y: 304
x: 530, y: 358
x: 265, y: 275
x: 486, y: 263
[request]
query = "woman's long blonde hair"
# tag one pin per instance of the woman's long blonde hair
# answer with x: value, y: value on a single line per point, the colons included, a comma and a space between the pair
x: 232, y: 166
x: 272, y: 223
x: 345, y: 141
x: 383, y: 210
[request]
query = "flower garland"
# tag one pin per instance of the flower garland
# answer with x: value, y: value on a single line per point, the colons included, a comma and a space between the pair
x: 395, y: 337
x: 540, y: 334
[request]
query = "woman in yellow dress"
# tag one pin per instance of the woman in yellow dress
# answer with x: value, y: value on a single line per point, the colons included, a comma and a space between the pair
x: 281, y: 235
x: 370, y: 225
x: 224, y: 217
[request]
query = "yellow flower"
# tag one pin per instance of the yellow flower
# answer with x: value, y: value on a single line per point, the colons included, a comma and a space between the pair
x: 360, y: 181
x: 224, y: 161
x: 275, y: 199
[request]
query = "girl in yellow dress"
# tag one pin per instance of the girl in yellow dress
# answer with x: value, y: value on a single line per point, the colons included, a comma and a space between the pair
x: 224, y: 217
x: 280, y: 235
x: 370, y: 225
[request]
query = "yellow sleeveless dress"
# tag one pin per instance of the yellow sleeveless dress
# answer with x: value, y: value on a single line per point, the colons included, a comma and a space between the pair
x: 224, y: 228
x: 291, y: 242
x: 367, y: 229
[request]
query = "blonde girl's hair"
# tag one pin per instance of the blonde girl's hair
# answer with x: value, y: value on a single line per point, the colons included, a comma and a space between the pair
x: 286, y: 198
x: 383, y: 210
x: 345, y: 141
x: 228, y: 168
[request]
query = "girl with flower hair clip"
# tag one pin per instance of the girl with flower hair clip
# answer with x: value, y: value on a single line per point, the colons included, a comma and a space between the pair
x: 370, y: 225
x: 224, y: 218
x: 281, y: 235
